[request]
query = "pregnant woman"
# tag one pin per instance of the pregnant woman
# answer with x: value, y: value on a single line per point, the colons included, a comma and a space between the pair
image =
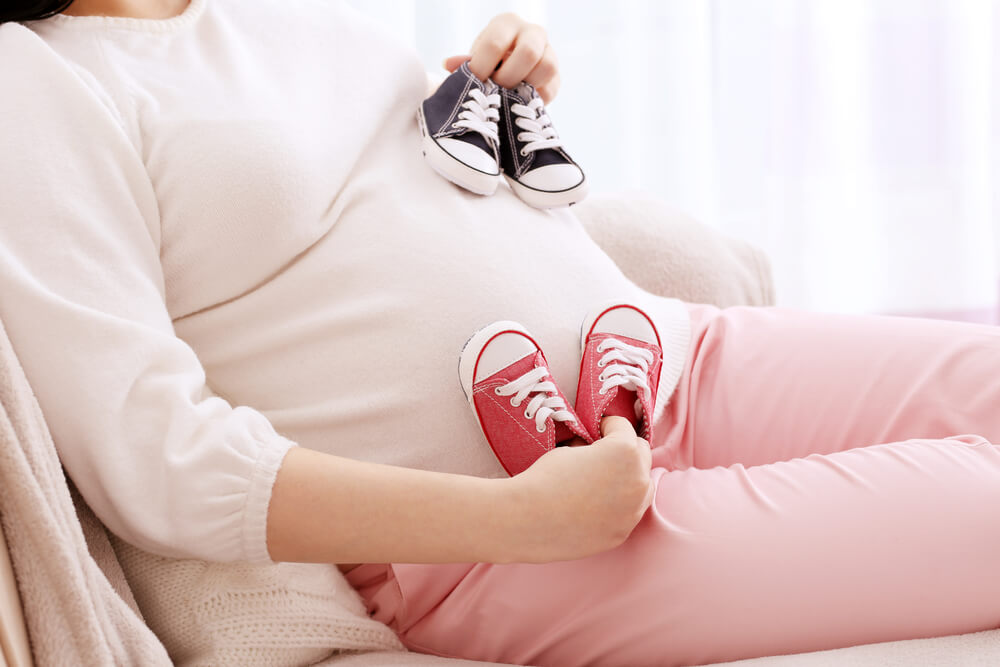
x: 240, y: 295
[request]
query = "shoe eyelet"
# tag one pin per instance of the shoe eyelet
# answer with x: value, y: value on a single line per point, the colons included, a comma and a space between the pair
x: 455, y: 125
x: 496, y: 390
x: 523, y: 154
x: 601, y: 391
x: 540, y: 430
x: 515, y: 403
x: 527, y: 415
x: 601, y: 363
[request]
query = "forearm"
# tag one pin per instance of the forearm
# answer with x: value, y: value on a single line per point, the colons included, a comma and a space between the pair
x: 329, y: 509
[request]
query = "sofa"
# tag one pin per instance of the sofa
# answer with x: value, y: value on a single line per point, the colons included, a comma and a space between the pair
x: 66, y: 599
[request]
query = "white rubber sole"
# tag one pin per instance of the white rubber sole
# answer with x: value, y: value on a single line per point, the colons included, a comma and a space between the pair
x: 543, y: 199
x: 475, y: 345
x: 453, y: 169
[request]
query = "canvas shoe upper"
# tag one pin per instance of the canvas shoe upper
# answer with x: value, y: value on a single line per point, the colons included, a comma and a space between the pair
x: 619, y: 369
x: 520, y: 409
x: 459, y: 127
x: 534, y: 162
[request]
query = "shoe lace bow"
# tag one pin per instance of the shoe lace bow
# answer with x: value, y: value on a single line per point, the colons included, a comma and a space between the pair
x: 481, y: 114
x: 538, y: 132
x: 545, y: 402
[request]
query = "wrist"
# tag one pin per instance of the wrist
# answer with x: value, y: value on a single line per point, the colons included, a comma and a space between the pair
x: 526, y: 518
x: 498, y: 536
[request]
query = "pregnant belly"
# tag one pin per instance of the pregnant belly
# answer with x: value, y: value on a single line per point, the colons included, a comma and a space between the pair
x: 353, y: 348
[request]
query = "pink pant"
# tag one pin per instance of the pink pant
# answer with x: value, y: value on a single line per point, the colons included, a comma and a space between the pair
x: 778, y: 525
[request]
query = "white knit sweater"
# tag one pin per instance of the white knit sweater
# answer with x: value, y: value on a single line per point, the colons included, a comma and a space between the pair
x: 218, y: 239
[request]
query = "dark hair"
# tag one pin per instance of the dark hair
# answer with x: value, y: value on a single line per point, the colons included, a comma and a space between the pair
x: 31, y: 10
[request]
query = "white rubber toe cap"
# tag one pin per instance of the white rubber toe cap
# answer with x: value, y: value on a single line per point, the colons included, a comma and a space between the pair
x: 501, y: 353
x: 622, y: 320
x: 553, y: 177
x: 470, y: 155
x: 492, y: 349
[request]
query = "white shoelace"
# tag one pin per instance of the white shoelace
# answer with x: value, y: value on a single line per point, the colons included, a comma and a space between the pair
x: 632, y: 370
x: 545, y: 401
x: 537, y: 126
x: 481, y: 114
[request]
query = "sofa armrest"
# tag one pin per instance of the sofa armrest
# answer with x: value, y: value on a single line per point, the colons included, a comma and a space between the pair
x: 669, y: 253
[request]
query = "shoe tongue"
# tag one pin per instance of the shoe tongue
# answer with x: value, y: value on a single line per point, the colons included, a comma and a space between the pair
x: 524, y: 90
x: 622, y: 405
x: 488, y: 87
x: 524, y: 365
x: 563, y: 432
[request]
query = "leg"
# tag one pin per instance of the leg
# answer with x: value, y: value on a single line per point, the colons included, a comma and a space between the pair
x: 771, y: 384
x: 872, y: 544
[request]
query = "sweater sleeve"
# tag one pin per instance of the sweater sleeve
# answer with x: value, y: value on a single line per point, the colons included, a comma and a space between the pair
x: 164, y: 463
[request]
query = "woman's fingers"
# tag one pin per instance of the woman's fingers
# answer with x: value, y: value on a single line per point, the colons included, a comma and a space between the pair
x: 650, y: 495
x: 493, y: 44
x: 616, y: 426
x: 620, y: 429
x: 525, y: 55
x: 545, y: 76
x: 511, y: 50
x: 645, y: 454
x: 549, y: 91
x: 452, y: 63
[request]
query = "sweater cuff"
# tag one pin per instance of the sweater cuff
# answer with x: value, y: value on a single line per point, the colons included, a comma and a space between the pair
x: 272, y: 453
x: 675, y: 341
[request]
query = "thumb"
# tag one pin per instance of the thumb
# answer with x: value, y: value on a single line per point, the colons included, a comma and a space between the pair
x: 452, y: 63
x: 613, y: 425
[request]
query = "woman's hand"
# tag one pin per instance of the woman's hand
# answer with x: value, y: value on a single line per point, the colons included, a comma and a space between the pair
x: 573, y: 502
x: 578, y: 501
x: 524, y: 50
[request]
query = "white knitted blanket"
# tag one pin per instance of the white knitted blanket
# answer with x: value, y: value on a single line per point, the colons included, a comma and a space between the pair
x: 77, y: 605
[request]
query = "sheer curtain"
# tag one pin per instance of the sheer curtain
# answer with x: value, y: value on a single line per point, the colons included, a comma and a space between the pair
x: 855, y: 140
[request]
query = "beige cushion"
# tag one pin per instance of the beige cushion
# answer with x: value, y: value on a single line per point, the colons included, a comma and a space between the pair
x: 669, y: 253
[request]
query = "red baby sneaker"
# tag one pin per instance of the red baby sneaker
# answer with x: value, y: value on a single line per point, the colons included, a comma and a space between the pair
x: 519, y: 407
x: 619, y: 369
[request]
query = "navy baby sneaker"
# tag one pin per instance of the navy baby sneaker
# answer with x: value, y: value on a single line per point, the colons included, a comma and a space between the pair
x: 459, y: 127
x: 534, y: 163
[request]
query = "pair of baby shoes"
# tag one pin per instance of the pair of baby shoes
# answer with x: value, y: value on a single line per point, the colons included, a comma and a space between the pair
x: 521, y: 409
x: 475, y: 132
